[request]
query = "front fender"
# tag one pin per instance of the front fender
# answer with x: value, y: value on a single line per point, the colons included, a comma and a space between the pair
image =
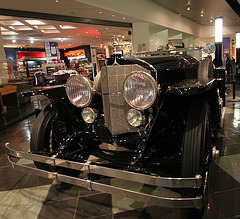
x: 191, y: 87
x: 52, y: 92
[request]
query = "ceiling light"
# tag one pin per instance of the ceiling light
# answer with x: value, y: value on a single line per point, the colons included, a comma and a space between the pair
x: 31, y: 41
x: 69, y: 44
x: 106, y: 28
x: 96, y: 30
x: 202, y: 14
x: 100, y: 12
x: 211, y: 20
x: 86, y: 32
x: 11, y: 27
x: 56, y: 1
x: 14, y: 41
x: 124, y: 18
x: 66, y: 27
x: 35, y: 22
x: 77, y: 33
x: 188, y: 7
x: 113, y: 15
x: 9, y: 33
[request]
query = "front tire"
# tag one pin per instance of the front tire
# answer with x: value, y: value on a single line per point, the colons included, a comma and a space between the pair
x: 196, y: 139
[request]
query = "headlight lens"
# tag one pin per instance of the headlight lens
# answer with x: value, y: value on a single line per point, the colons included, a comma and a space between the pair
x: 89, y: 115
x: 134, y: 117
x: 140, y: 90
x: 79, y: 90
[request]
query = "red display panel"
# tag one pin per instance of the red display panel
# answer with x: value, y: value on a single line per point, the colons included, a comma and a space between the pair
x: 31, y: 55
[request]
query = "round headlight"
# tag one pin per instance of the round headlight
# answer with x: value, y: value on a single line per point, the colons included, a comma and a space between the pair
x: 79, y: 90
x: 134, y: 117
x: 140, y: 90
x: 89, y: 115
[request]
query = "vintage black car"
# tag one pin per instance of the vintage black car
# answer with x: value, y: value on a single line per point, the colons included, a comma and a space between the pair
x: 148, y: 119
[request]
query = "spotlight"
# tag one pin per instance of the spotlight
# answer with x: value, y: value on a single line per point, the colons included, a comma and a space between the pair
x: 56, y: 1
x: 188, y: 7
x: 202, y: 14
x: 211, y: 20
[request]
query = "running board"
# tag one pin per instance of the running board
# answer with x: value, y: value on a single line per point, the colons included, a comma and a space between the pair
x: 179, y: 202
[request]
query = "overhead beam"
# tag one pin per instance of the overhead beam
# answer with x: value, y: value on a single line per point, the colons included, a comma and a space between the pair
x: 234, y: 4
x: 56, y: 17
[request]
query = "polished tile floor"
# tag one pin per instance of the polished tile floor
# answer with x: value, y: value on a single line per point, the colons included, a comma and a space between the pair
x: 27, y: 196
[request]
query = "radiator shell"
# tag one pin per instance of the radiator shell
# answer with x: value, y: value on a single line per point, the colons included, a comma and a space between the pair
x: 114, y: 106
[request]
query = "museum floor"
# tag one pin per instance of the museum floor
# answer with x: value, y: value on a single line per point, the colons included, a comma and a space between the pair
x: 27, y: 196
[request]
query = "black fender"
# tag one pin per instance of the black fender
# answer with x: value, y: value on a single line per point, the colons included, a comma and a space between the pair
x: 52, y: 92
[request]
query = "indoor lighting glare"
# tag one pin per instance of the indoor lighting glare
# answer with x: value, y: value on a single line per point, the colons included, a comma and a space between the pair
x: 202, y: 14
x: 238, y: 40
x: 218, y: 29
x: 56, y: 1
x: 100, y: 12
x: 31, y: 41
x: 211, y: 20
x: 14, y: 41
x: 188, y: 7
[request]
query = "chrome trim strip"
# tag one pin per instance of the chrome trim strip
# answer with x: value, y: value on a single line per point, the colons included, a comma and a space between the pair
x: 191, y: 182
x: 193, y: 202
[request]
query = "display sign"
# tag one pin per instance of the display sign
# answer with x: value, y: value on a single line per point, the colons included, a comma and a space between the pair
x: 80, y: 53
x: 31, y: 55
x: 51, y: 49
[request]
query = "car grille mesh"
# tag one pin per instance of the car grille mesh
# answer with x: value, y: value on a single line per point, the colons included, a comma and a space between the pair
x: 114, y: 106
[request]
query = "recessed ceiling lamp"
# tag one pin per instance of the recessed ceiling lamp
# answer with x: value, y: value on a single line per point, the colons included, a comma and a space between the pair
x: 202, y: 14
x: 189, y: 7
x: 106, y: 28
x: 211, y: 20
x: 113, y: 15
x: 56, y: 1
x: 35, y: 22
x: 77, y: 33
x: 14, y: 41
x: 86, y: 32
x: 100, y: 12
x: 124, y: 18
x: 31, y: 41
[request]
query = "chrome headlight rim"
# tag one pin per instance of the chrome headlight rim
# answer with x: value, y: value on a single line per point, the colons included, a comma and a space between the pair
x: 138, y: 122
x: 94, y: 113
x: 154, y: 86
x: 88, y: 83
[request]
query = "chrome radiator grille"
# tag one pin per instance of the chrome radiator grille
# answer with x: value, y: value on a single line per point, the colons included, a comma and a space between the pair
x: 114, y: 106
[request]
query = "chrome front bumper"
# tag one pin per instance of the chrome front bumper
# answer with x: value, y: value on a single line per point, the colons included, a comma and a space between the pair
x: 168, y: 182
